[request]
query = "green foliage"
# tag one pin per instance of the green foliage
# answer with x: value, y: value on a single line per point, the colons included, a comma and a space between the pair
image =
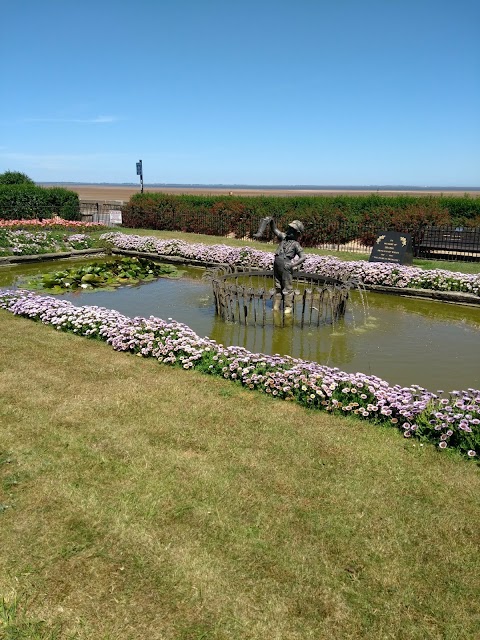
x: 27, y: 201
x: 15, y: 177
x: 15, y: 626
x: 19, y: 201
x: 412, y: 217
x: 240, y: 216
x: 464, y: 440
x: 29, y: 242
x: 103, y: 275
x: 63, y: 203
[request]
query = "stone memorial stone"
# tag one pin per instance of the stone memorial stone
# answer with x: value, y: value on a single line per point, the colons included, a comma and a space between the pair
x: 392, y: 246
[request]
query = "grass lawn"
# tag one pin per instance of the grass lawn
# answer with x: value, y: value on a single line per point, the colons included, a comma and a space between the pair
x: 462, y: 267
x: 143, y: 502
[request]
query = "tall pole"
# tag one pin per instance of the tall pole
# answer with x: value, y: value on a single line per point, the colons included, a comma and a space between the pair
x: 140, y: 173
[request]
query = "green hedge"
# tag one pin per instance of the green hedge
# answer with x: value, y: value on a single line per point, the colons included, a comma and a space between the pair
x: 15, y: 177
x: 321, y: 215
x: 26, y: 201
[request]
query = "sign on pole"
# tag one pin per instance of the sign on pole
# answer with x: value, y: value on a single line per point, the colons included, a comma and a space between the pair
x: 140, y: 172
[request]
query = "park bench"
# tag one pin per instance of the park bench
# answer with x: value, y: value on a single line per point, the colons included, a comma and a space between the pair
x: 450, y: 244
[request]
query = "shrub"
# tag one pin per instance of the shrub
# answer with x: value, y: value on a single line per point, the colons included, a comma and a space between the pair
x: 150, y: 211
x: 327, y: 219
x: 15, y: 177
x: 411, y: 218
x: 27, y: 201
x: 21, y: 201
x: 63, y: 203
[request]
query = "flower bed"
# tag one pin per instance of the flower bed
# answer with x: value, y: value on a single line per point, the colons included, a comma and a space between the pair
x: 368, y: 273
x: 23, y: 243
x: 51, y: 223
x: 449, y: 422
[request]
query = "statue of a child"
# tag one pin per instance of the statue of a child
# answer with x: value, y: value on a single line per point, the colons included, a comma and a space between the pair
x: 288, y: 249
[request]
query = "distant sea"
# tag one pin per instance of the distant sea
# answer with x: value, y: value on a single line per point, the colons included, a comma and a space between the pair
x: 266, y: 187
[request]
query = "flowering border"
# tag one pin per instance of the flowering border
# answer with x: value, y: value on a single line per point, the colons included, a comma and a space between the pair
x: 20, y: 242
x: 449, y: 422
x: 368, y: 273
x: 51, y: 223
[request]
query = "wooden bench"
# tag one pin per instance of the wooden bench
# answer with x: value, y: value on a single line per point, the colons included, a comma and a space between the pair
x: 442, y: 242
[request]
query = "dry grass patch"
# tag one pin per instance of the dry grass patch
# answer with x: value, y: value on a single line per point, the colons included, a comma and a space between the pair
x: 153, y: 502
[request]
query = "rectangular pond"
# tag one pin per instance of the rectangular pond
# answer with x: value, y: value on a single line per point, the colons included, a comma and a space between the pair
x: 402, y: 340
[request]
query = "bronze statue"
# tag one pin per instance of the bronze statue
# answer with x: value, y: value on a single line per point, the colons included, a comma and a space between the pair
x: 284, y: 263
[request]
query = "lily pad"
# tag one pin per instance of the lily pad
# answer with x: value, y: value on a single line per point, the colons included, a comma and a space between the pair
x: 126, y: 271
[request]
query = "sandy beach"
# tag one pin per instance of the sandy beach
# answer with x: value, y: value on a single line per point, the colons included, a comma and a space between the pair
x: 119, y: 193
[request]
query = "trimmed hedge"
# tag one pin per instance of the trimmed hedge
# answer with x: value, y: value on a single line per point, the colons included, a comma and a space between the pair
x: 322, y: 215
x: 26, y: 201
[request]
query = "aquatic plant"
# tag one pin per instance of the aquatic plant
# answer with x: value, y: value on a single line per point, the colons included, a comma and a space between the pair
x: 103, y: 274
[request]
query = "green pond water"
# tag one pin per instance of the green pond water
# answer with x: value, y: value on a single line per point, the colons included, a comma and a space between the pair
x: 402, y: 340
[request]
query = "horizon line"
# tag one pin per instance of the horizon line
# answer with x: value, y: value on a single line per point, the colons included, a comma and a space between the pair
x: 219, y: 185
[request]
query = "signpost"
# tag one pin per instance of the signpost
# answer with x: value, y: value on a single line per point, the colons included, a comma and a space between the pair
x: 140, y: 173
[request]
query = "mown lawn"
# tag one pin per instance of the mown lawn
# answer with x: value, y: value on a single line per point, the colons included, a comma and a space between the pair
x: 140, y: 501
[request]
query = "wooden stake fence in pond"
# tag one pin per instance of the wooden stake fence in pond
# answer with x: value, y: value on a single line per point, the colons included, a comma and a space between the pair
x: 246, y: 297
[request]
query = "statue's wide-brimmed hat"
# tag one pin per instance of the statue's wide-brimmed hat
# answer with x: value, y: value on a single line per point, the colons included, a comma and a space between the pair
x: 297, y: 225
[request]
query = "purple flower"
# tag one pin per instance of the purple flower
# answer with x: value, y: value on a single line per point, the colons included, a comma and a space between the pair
x: 360, y: 271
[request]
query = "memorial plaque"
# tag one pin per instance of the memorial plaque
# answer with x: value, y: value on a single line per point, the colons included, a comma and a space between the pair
x: 392, y: 246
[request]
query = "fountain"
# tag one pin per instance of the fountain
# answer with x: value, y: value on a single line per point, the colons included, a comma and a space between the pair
x: 306, y: 299
x: 247, y: 296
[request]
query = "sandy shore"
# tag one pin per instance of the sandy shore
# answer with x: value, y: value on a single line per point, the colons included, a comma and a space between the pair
x: 108, y: 193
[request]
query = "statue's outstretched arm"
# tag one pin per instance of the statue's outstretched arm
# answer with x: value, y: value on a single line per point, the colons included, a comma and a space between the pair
x: 264, y: 223
x: 276, y: 231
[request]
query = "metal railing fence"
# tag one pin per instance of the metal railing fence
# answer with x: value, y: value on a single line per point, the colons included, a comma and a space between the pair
x: 430, y: 243
x: 448, y: 243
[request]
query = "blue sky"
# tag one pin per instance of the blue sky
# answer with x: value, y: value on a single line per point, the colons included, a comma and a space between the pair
x: 271, y: 92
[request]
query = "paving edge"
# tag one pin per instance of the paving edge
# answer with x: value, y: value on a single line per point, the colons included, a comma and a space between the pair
x: 40, y: 257
x: 454, y: 297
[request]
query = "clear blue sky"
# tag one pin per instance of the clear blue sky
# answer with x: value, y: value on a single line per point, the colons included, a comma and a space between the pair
x: 271, y: 92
